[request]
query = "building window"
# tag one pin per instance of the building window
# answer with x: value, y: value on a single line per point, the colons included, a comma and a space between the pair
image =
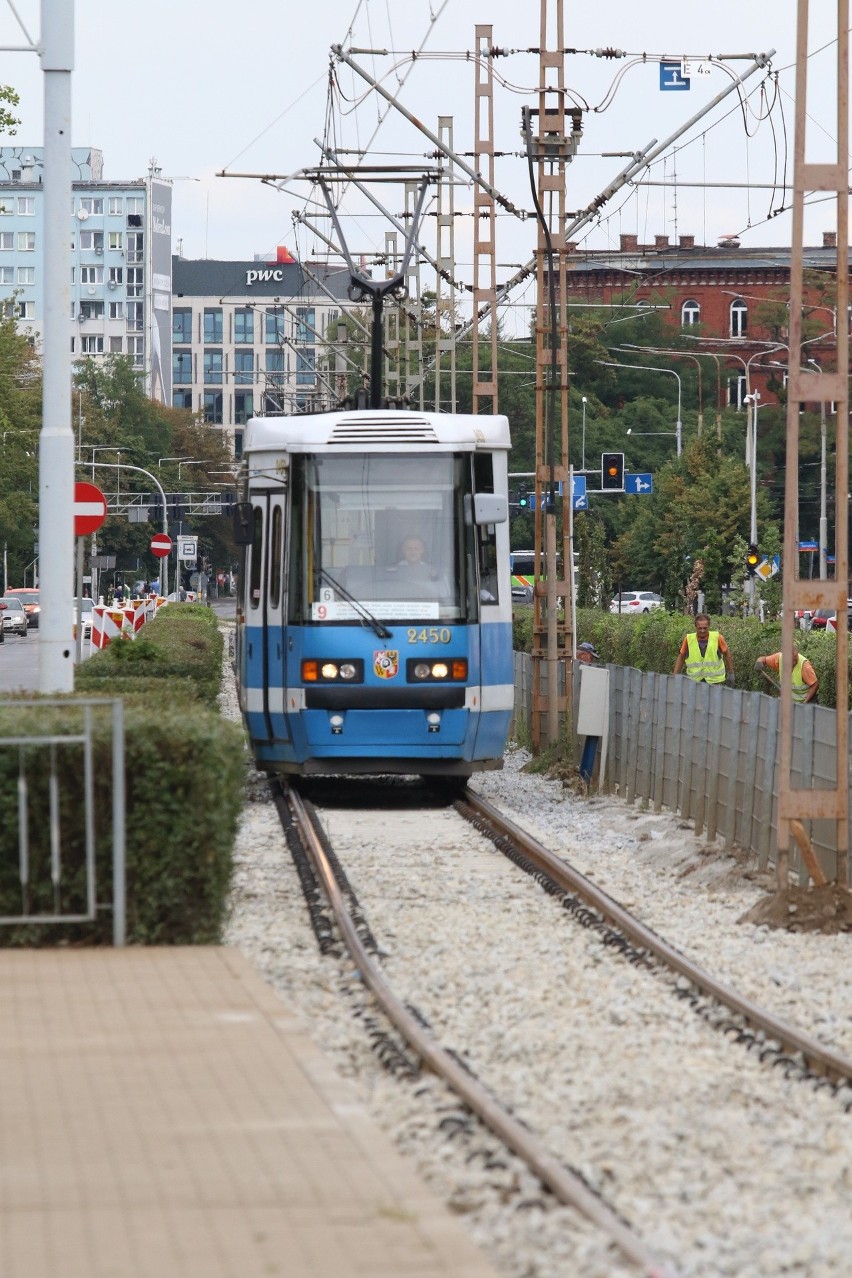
x: 135, y: 243
x: 238, y: 444
x: 91, y: 310
x: 182, y: 326
x: 26, y: 310
x: 737, y: 391
x: 739, y: 318
x: 115, y: 205
x: 243, y: 327
x: 26, y: 241
x: 92, y: 345
x: 116, y: 241
x: 213, y: 326
x: 26, y: 274
x: 182, y: 399
x: 306, y: 323
x: 116, y: 310
x: 275, y: 368
x: 7, y: 241
x: 212, y: 368
x: 135, y: 317
x: 213, y: 407
x: 91, y: 241
x: 134, y: 281
x: 135, y: 204
x: 91, y: 275
x: 690, y: 313
x: 116, y: 345
x: 116, y: 275
x: 136, y: 350
x: 7, y: 274
x: 243, y: 368
x: 6, y: 209
x: 275, y: 327
x: 181, y: 367
x: 91, y: 205
x: 243, y: 407
x: 306, y: 368
x: 26, y: 206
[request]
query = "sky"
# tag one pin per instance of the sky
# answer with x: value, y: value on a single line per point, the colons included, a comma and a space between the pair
x: 206, y: 87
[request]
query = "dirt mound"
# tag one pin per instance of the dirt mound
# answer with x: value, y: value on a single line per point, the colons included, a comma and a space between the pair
x: 797, y: 909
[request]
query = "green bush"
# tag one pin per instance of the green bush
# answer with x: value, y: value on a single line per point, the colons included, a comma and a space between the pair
x: 182, y: 643
x: 651, y: 642
x: 184, y: 773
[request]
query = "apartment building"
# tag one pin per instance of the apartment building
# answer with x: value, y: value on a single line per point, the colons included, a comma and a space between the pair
x: 253, y: 337
x: 732, y: 299
x: 121, y: 253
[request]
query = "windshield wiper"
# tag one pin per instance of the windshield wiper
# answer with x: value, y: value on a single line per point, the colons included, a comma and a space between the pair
x: 366, y: 616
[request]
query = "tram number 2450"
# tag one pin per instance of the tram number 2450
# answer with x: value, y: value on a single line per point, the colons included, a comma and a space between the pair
x: 430, y: 634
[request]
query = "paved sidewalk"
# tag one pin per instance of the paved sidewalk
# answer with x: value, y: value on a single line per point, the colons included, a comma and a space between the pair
x: 163, y: 1116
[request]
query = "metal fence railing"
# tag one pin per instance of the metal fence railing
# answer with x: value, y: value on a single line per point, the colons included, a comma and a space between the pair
x: 707, y: 753
x: 49, y: 779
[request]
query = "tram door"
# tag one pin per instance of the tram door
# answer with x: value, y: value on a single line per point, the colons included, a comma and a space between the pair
x: 274, y: 620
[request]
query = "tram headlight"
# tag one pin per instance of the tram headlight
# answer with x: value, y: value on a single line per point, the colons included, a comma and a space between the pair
x: 454, y: 671
x: 350, y: 671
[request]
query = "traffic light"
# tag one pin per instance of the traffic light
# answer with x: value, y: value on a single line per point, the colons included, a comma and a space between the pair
x: 523, y: 501
x: 752, y: 559
x: 612, y: 472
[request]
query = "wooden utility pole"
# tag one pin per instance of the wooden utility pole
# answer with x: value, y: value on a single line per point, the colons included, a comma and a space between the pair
x: 553, y: 640
x: 798, y: 804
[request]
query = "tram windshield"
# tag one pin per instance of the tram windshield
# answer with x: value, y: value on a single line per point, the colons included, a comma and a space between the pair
x: 382, y: 534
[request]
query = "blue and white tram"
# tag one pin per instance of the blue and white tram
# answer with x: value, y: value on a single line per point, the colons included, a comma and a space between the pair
x: 374, y: 622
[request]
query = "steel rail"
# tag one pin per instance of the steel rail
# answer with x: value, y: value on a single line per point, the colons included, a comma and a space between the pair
x: 818, y: 1058
x: 565, y: 1186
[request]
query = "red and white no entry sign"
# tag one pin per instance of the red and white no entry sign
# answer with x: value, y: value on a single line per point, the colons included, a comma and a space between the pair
x: 160, y: 545
x: 90, y: 509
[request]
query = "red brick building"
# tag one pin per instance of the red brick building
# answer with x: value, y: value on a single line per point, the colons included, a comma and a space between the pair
x: 731, y: 299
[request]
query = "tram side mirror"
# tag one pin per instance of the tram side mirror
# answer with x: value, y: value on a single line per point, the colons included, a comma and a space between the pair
x: 486, y: 508
x: 243, y: 523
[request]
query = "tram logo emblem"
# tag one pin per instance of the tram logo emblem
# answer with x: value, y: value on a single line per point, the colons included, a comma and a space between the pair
x: 386, y: 663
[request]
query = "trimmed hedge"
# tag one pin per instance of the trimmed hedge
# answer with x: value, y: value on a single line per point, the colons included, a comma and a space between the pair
x: 651, y: 642
x: 184, y: 773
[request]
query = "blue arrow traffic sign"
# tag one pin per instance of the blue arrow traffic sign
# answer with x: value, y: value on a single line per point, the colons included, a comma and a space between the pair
x: 641, y: 485
x: 578, y: 487
x: 581, y: 502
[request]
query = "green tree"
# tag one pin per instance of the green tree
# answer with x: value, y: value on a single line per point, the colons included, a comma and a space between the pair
x: 20, y: 422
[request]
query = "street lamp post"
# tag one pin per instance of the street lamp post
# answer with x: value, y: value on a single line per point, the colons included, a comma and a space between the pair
x: 583, y: 459
x: 654, y: 350
x: 164, y: 561
x: 648, y: 369
x: 823, y: 513
x: 754, y: 400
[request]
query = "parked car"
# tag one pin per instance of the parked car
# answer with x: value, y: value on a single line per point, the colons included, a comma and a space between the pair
x: 635, y: 601
x: 820, y: 618
x: 30, y: 600
x: 87, y: 606
x: 14, y: 618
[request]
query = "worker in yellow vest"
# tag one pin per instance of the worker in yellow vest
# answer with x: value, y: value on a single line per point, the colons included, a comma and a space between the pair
x: 705, y: 655
x: 805, y: 682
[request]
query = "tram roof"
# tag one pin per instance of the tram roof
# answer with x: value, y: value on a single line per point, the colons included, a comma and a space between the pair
x: 379, y: 429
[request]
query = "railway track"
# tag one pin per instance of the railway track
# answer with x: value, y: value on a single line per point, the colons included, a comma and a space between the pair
x: 798, y: 1053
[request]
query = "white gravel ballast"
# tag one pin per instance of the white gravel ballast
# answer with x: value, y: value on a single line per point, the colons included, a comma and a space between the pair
x: 722, y: 1164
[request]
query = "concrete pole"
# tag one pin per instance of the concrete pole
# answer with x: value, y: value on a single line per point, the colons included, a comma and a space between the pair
x: 56, y: 451
x: 823, y: 513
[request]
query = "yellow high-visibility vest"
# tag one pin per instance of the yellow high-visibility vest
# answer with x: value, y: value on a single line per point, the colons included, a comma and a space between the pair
x: 711, y: 667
